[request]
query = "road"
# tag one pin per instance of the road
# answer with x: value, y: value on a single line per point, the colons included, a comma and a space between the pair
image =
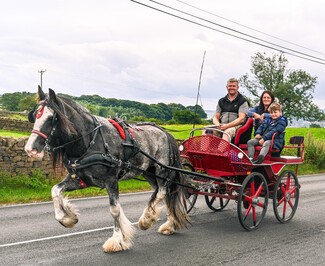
x: 31, y: 236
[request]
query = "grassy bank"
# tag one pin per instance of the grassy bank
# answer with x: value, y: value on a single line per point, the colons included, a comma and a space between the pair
x: 37, y: 188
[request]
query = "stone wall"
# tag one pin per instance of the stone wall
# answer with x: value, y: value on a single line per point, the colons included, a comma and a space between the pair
x: 15, y: 124
x: 14, y: 160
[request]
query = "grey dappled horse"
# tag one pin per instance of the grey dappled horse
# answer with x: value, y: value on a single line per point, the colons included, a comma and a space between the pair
x: 96, y: 153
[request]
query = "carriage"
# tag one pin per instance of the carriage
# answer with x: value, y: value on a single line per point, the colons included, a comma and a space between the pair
x: 222, y: 172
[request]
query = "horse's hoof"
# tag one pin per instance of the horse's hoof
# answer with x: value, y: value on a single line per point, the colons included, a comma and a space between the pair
x: 165, y: 229
x: 111, y: 246
x: 143, y: 226
x: 68, y: 222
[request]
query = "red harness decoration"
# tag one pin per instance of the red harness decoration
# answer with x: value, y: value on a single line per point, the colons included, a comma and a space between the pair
x: 118, y: 127
x: 40, y: 112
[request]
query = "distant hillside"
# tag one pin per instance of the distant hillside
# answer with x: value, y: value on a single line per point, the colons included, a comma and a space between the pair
x: 132, y: 110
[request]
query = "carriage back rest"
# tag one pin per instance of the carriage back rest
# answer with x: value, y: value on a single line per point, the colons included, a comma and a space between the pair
x: 298, y: 141
x: 244, y: 133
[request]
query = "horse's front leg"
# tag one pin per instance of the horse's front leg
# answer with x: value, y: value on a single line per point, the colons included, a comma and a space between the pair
x: 123, y: 229
x: 65, y: 212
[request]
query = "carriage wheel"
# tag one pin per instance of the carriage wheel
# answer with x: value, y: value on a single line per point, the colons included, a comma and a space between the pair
x: 286, y: 196
x: 252, y: 201
x: 190, y: 198
x: 215, y: 203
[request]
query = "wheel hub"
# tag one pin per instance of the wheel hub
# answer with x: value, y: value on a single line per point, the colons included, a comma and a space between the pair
x: 255, y: 201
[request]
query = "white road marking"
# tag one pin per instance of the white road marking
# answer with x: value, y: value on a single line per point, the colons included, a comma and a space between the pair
x: 58, y: 236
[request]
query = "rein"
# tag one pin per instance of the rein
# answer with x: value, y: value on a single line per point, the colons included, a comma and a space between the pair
x: 75, y: 140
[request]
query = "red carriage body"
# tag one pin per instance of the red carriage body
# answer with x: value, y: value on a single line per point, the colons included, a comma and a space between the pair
x: 232, y: 176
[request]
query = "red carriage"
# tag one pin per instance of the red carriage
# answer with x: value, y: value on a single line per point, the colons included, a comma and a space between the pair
x: 222, y: 172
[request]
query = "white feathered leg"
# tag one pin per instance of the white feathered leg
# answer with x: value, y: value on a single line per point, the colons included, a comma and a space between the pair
x: 122, y: 234
x: 65, y: 212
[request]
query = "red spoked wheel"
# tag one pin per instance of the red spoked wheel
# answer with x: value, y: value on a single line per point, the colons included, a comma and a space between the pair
x: 190, y: 198
x: 286, y: 196
x: 252, y: 201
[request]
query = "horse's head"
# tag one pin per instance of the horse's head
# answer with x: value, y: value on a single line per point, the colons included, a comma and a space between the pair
x: 44, y: 118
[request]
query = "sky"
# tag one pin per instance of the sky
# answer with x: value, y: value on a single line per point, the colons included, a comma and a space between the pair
x: 122, y: 49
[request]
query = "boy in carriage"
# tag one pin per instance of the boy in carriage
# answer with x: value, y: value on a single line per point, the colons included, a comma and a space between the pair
x: 263, y: 135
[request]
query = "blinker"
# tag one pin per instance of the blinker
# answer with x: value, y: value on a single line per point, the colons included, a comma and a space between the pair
x: 35, y: 113
x: 31, y: 115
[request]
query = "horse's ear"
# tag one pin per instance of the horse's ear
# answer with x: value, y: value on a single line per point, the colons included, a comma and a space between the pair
x: 41, y: 94
x: 52, y: 96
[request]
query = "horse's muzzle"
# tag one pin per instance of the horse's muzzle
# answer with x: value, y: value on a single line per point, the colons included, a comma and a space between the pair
x: 34, y: 153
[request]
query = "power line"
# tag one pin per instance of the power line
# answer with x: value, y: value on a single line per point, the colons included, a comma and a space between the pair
x: 236, y: 31
x: 250, y: 28
x: 238, y: 37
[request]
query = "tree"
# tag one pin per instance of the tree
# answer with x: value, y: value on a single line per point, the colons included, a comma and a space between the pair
x: 27, y: 103
x: 293, y: 88
x: 10, y: 101
x: 186, y: 117
x: 198, y: 110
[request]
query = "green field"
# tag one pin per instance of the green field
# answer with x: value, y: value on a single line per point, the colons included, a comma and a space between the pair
x: 184, y: 131
x: 14, y: 134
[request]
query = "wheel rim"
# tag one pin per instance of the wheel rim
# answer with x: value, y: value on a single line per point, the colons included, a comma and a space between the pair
x: 252, y: 201
x: 286, y: 196
x: 215, y: 203
x: 190, y: 198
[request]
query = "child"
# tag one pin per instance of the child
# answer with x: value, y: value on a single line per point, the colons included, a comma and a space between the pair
x: 263, y: 135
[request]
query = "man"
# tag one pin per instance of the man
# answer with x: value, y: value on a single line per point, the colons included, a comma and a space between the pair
x: 231, y: 110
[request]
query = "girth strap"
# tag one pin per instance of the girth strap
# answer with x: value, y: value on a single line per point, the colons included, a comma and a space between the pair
x: 94, y: 159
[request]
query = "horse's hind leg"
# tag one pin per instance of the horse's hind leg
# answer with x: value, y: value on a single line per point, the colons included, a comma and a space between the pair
x: 123, y: 229
x: 151, y: 213
x: 65, y: 213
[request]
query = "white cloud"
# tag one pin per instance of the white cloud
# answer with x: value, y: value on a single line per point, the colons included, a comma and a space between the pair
x: 124, y: 50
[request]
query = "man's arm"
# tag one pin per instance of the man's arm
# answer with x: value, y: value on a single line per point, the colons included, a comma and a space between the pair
x: 216, y: 119
x: 241, y: 118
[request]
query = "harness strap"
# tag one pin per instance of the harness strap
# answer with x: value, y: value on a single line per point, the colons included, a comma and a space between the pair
x: 131, y: 147
x: 72, y: 141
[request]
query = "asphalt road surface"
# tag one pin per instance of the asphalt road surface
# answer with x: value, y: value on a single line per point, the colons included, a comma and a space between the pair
x: 31, y: 236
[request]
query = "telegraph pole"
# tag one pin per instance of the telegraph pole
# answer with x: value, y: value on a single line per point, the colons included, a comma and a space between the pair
x: 42, y: 71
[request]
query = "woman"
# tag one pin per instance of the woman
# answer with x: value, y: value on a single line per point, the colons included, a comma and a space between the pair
x: 262, y: 110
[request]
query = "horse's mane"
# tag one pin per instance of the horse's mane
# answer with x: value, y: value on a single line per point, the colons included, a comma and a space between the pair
x: 65, y: 109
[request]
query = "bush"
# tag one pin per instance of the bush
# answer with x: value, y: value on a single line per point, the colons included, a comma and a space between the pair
x: 313, y: 125
x: 37, y: 180
x: 315, y: 151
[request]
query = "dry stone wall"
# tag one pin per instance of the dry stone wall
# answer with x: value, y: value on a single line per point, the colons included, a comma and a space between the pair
x: 15, y: 124
x: 14, y: 160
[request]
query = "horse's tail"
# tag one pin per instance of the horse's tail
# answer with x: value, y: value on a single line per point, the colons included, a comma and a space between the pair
x: 175, y: 193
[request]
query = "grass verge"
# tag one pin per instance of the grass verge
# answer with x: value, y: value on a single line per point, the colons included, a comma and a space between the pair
x: 36, y: 188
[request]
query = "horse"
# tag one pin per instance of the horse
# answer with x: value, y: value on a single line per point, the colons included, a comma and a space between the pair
x: 100, y: 152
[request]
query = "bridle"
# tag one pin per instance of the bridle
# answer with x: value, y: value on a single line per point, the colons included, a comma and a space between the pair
x: 38, y: 112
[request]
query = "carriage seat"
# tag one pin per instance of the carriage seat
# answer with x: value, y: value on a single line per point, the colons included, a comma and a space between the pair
x: 296, y: 142
x: 244, y: 133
